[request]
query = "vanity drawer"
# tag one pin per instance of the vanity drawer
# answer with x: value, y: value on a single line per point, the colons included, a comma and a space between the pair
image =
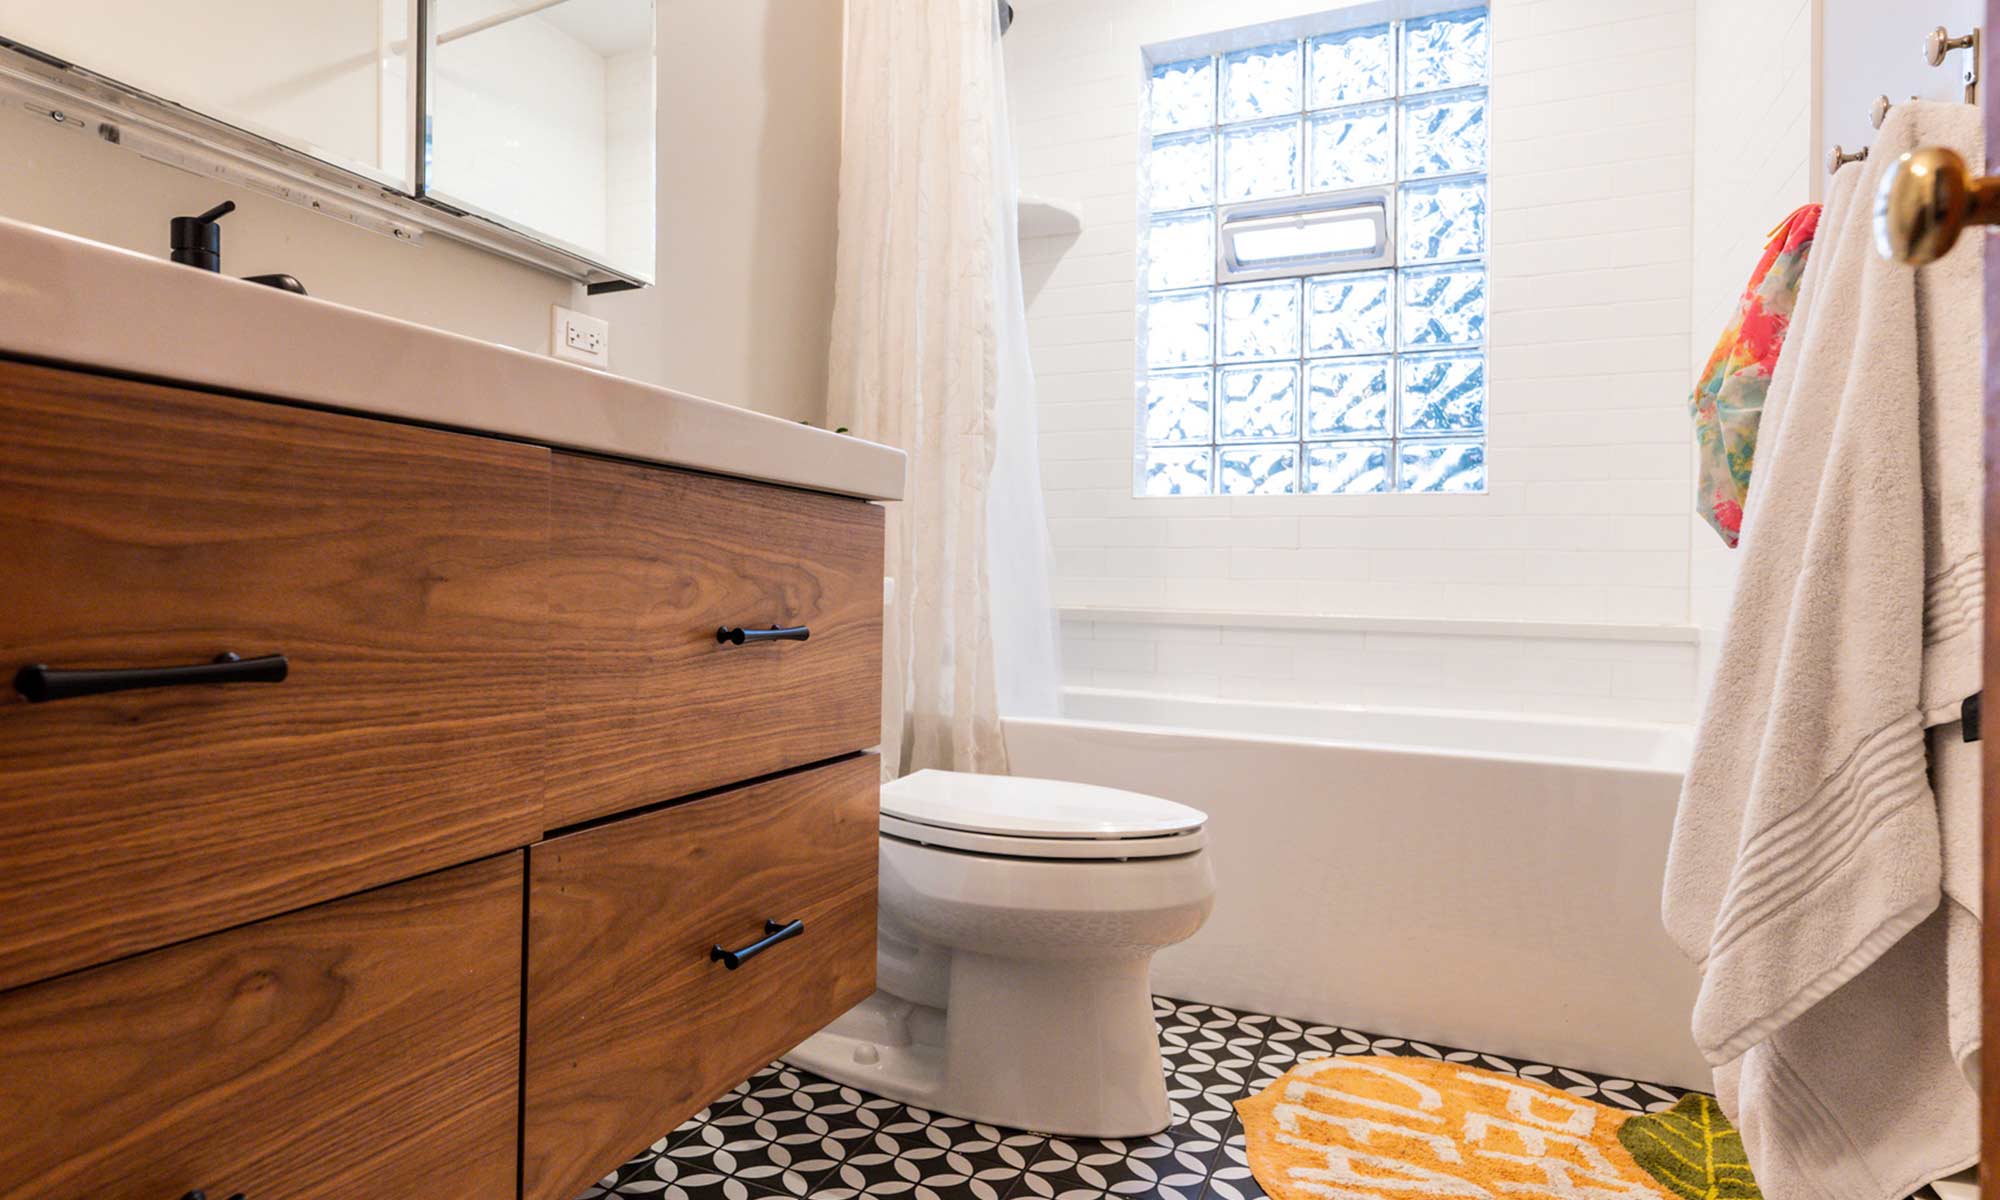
x: 631, y: 1027
x: 400, y: 571
x: 647, y: 705
x: 364, y: 1048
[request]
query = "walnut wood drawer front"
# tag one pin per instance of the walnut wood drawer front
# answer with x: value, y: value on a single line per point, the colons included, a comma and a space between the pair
x: 648, y: 564
x: 364, y: 1048
x: 631, y: 1025
x: 400, y: 571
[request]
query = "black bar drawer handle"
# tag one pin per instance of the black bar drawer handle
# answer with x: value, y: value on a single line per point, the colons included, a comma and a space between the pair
x: 774, y: 932
x: 39, y: 683
x: 200, y: 1195
x: 776, y: 633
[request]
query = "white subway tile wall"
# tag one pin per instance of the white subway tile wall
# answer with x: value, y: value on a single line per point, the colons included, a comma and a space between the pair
x: 1755, y: 161
x: 1586, y: 514
x: 1631, y: 679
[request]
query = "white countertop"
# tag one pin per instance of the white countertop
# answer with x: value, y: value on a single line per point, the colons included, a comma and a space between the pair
x: 67, y: 300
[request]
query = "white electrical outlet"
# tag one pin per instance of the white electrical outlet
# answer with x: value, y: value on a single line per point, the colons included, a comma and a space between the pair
x: 578, y: 338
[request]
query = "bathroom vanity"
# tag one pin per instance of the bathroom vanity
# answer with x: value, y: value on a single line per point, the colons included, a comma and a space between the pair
x: 533, y: 810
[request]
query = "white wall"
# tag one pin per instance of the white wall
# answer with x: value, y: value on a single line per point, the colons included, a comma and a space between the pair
x: 1586, y: 520
x: 749, y: 167
x: 1756, y: 159
x: 1875, y: 48
x: 748, y: 146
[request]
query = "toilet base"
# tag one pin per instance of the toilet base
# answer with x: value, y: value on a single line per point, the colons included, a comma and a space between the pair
x: 1065, y: 1047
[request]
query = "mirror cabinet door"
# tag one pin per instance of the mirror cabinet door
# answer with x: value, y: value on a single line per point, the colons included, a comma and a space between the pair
x: 332, y: 79
x: 540, y: 116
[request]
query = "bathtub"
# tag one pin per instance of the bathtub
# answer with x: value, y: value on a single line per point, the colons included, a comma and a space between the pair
x: 1482, y: 881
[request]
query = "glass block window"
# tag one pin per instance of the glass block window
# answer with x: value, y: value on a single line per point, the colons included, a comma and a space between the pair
x: 1350, y: 372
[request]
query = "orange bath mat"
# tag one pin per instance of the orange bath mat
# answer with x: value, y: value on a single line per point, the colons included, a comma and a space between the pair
x: 1366, y: 1127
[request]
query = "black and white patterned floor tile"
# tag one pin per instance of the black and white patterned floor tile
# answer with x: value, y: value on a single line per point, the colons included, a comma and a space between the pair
x: 786, y: 1133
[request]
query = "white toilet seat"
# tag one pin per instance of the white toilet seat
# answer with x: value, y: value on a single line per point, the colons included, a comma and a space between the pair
x: 1166, y: 845
x: 1014, y: 817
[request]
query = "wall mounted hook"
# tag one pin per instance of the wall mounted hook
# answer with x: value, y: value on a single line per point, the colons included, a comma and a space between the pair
x: 1940, y: 42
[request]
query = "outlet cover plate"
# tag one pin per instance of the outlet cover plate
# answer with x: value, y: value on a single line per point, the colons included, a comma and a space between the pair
x: 579, y: 338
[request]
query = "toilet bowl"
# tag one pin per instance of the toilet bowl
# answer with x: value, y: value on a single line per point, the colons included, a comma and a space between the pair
x: 1018, y: 920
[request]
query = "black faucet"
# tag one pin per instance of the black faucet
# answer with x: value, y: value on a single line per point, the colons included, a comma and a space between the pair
x: 197, y: 242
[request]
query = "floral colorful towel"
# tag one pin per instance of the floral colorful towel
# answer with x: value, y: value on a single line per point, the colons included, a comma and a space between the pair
x: 1728, y: 399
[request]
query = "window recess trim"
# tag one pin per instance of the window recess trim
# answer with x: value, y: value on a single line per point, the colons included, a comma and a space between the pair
x: 1373, y: 206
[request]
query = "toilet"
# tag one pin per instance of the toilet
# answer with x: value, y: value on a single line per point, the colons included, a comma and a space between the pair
x: 1018, y: 921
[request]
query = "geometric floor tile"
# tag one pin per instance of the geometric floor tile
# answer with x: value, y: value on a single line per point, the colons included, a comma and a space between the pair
x: 786, y: 1134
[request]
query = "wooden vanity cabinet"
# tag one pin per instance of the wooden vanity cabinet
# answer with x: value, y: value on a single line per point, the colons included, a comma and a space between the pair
x: 632, y: 1022
x: 433, y: 910
x: 400, y: 573
x: 648, y: 565
x: 368, y: 1047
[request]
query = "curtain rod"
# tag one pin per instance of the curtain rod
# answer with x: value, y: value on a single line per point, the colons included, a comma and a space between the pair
x: 500, y: 18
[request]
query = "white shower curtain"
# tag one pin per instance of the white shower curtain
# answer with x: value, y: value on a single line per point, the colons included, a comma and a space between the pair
x: 930, y: 354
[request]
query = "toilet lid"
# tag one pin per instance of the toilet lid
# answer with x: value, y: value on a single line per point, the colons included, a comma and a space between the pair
x: 1040, y: 818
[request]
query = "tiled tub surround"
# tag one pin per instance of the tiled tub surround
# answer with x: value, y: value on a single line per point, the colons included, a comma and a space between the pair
x: 1755, y: 158
x: 1642, y: 673
x: 788, y: 1134
x: 1585, y: 517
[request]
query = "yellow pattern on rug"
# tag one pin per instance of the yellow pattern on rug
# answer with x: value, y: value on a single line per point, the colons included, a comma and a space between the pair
x: 1380, y: 1128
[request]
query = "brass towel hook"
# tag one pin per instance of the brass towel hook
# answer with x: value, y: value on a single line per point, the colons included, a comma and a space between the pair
x: 1940, y: 42
x: 1837, y: 158
x: 1878, y: 112
x: 1926, y: 200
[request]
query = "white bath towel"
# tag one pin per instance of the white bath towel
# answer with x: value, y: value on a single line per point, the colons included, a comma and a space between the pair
x: 1807, y: 866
